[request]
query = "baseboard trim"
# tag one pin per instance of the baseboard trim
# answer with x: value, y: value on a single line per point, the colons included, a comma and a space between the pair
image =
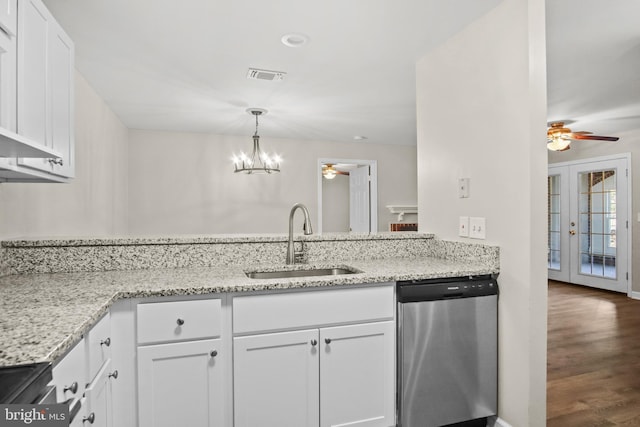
x: 497, y: 422
x: 635, y: 295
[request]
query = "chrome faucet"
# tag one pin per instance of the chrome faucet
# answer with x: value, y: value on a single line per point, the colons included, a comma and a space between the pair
x: 291, y: 251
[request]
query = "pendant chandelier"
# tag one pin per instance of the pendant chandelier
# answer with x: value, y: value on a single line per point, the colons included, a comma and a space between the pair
x: 258, y: 161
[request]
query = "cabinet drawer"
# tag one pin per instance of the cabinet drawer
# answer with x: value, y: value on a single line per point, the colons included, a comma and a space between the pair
x: 69, y: 374
x: 98, y: 342
x: 259, y: 313
x: 179, y: 320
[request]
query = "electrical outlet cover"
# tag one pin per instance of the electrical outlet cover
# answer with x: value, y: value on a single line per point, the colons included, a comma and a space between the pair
x: 477, y: 228
x: 463, y: 227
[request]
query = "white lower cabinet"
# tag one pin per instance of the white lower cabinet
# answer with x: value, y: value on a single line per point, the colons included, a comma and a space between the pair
x: 276, y: 379
x: 325, y: 376
x: 180, y: 384
x: 357, y: 375
x: 97, y: 404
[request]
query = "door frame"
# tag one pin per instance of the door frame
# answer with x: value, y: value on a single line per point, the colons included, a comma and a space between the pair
x: 373, y: 201
x: 627, y: 158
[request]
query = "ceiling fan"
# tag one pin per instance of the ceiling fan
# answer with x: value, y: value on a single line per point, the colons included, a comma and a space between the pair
x: 559, y: 137
x: 329, y: 171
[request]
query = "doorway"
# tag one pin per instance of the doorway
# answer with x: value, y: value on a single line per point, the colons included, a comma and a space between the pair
x: 588, y: 223
x: 356, y: 204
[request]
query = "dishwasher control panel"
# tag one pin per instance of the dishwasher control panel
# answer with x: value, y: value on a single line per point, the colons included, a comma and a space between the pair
x: 448, y: 288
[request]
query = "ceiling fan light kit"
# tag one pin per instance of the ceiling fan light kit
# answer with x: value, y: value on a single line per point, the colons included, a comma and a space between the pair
x: 258, y: 162
x: 559, y: 137
x: 329, y: 171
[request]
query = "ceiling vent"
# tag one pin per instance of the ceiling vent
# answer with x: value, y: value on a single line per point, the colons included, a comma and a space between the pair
x: 256, y: 74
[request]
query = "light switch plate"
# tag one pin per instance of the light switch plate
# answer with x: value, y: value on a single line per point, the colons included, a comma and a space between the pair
x: 463, y: 227
x: 463, y: 188
x: 477, y: 228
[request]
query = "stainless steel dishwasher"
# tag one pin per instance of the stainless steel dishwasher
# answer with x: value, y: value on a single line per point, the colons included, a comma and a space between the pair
x: 447, y: 351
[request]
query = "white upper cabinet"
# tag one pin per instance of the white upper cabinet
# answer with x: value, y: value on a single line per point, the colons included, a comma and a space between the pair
x: 32, y: 71
x: 36, y: 97
x: 45, y: 87
x: 8, y: 65
x: 8, y: 16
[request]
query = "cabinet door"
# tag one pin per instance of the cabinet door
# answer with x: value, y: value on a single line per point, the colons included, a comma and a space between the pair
x: 357, y: 386
x: 180, y: 384
x: 7, y: 82
x: 32, y: 71
x: 98, y: 346
x: 46, y: 110
x: 69, y: 375
x: 98, y: 400
x: 8, y: 18
x: 276, y: 379
x: 62, y: 113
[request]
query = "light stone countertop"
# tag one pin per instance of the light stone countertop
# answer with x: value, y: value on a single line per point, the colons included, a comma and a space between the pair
x: 44, y: 315
x: 210, y: 239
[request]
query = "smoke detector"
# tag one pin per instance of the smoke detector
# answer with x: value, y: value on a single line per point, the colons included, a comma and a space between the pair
x: 257, y: 74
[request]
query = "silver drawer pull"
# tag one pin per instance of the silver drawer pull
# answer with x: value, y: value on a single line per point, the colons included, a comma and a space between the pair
x: 314, y: 342
x: 56, y: 162
x: 114, y: 375
x: 327, y: 340
x: 73, y: 388
x: 180, y: 321
x: 213, y: 353
x: 106, y: 342
x: 91, y: 418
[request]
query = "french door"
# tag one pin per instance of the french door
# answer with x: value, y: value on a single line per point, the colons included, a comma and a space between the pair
x: 588, y: 223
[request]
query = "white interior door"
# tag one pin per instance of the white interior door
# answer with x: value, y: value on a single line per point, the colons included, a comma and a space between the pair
x: 359, y: 200
x: 588, y: 223
x: 558, y: 219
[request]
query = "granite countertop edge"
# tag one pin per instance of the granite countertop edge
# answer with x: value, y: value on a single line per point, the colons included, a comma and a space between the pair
x: 203, y: 240
x: 86, y: 297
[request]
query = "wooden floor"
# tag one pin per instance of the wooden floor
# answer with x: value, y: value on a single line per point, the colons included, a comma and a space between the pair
x: 593, y: 358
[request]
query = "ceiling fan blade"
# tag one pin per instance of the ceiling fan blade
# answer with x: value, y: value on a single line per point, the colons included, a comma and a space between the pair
x: 582, y: 133
x: 596, y: 137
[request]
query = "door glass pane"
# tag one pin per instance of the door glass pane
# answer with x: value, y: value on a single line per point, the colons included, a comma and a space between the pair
x: 553, y: 235
x: 597, y: 223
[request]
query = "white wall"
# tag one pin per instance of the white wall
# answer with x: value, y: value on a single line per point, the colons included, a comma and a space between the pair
x: 183, y: 183
x: 481, y: 112
x: 629, y: 143
x: 92, y: 204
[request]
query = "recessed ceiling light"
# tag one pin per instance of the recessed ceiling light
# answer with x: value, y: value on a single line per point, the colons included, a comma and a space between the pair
x: 294, y: 39
x: 359, y: 137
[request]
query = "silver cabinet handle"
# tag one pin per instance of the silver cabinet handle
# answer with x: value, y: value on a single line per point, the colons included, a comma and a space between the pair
x: 327, y: 340
x: 91, y: 418
x: 213, y: 353
x: 314, y: 342
x: 56, y: 162
x: 106, y: 342
x: 180, y: 321
x: 114, y: 375
x: 73, y: 388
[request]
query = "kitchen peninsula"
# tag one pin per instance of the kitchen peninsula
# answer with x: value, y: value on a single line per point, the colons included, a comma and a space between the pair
x: 53, y: 292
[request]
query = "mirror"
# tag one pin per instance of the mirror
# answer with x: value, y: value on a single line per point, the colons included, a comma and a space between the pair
x: 347, y: 195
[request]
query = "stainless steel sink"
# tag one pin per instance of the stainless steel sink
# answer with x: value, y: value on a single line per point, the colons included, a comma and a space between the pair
x: 285, y: 274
